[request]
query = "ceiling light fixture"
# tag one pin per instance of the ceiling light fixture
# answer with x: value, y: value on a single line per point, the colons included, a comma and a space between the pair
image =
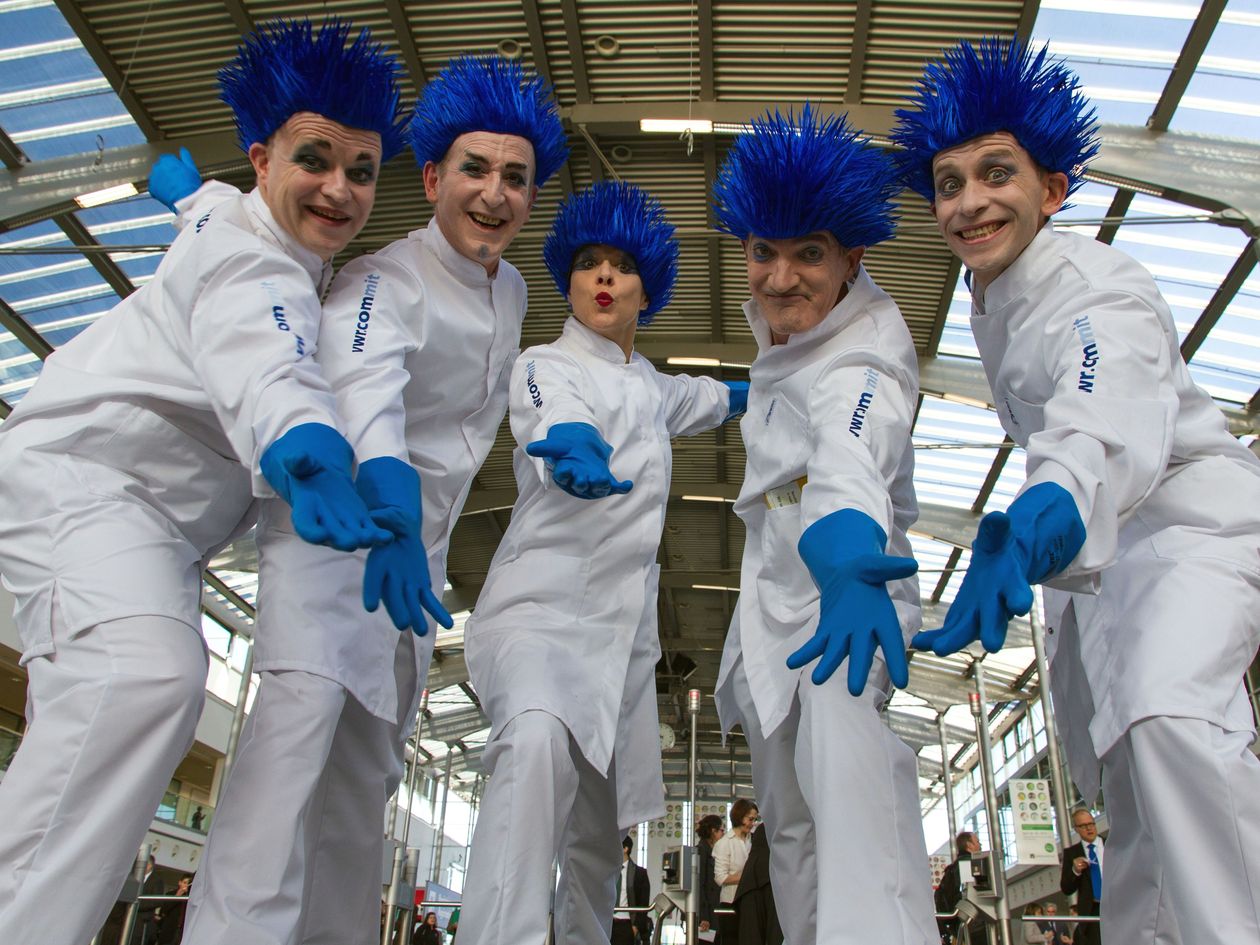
x: 107, y: 195
x: 706, y: 498
x: 698, y: 126
x: 684, y: 361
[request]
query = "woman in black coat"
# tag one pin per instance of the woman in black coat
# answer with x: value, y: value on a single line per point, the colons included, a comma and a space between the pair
x: 710, y: 830
x: 754, y: 900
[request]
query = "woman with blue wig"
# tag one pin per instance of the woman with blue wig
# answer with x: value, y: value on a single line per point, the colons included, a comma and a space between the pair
x: 827, y: 499
x: 563, y: 646
x: 1140, y: 513
x: 141, y: 450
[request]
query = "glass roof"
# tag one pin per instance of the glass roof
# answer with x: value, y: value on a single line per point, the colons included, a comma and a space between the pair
x: 55, y: 103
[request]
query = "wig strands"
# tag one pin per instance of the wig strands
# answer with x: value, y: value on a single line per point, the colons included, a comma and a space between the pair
x: 284, y: 68
x: 792, y: 176
x: 488, y: 94
x: 620, y: 215
x: 1000, y: 86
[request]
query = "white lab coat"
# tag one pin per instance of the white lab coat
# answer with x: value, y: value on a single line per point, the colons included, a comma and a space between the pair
x: 827, y: 428
x: 1152, y: 625
x: 832, y: 406
x: 566, y: 622
x: 136, y: 454
x: 1083, y: 358
x: 419, y: 345
x: 131, y: 461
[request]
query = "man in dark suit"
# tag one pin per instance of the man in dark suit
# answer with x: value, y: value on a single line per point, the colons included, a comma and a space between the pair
x: 633, y: 889
x: 1083, y: 875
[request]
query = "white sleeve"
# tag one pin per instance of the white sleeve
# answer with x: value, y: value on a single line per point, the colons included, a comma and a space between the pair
x: 693, y: 404
x: 721, y: 862
x: 860, y: 411
x: 252, y: 329
x: 373, y: 301
x: 1108, y: 427
x: 201, y: 201
x: 546, y: 389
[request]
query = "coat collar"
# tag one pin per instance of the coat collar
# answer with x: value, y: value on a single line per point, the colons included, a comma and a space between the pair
x: 1025, y: 272
x: 594, y: 343
x: 319, y: 271
x: 467, y: 271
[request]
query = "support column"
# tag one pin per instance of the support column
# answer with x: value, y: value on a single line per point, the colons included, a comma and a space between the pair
x: 439, y: 841
x: 979, y: 712
x: 1057, y: 781
x: 693, y: 865
x: 947, y: 779
x: 238, y: 711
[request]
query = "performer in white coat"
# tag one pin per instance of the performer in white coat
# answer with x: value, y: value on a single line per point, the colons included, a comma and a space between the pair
x: 140, y: 451
x: 563, y: 646
x: 1140, y: 513
x: 827, y: 498
x: 419, y: 340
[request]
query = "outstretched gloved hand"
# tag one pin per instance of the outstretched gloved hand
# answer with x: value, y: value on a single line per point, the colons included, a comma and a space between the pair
x: 397, y: 572
x: 1035, y: 539
x: 309, y: 467
x: 845, y: 555
x: 578, y: 459
x: 173, y: 178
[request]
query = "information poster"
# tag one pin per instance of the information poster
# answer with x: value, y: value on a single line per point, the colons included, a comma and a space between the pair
x: 1034, y: 822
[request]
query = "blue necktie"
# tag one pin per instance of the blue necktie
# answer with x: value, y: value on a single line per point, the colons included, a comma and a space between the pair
x: 1095, y: 873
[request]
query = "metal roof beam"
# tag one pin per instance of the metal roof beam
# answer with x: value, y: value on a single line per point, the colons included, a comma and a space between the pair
x: 5, y: 409
x: 11, y: 155
x: 406, y: 43
x: 105, y: 266
x: 21, y: 329
x: 708, y: 72
x: 577, y: 50
x: 1119, y: 207
x: 1027, y: 18
x: 109, y: 69
x: 44, y: 189
x: 857, y: 53
x: 942, y: 307
x: 1229, y: 287
x: 240, y: 18
x: 1187, y: 62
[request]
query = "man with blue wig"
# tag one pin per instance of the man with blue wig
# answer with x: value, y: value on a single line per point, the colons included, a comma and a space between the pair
x: 1140, y: 514
x: 827, y: 498
x: 419, y: 341
x: 563, y: 647
x: 141, y: 450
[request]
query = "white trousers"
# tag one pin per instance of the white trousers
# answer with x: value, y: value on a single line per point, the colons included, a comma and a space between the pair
x: 543, y: 801
x: 1183, y: 853
x: 110, y: 714
x: 839, y: 794
x: 296, y: 848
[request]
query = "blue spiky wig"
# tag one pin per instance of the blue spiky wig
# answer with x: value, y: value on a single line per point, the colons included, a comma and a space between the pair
x: 488, y: 93
x: 614, y: 213
x: 285, y: 67
x: 792, y: 176
x: 998, y: 85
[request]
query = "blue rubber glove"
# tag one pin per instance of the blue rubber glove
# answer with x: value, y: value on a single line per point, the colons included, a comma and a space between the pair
x: 845, y: 555
x: 398, y: 572
x: 578, y: 459
x: 739, y: 398
x: 309, y: 467
x: 173, y: 178
x: 1035, y: 539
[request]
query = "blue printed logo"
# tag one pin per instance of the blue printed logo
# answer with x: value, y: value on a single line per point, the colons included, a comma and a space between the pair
x: 1089, y: 354
x: 370, y: 285
x: 202, y: 222
x: 278, y: 314
x: 535, y: 394
x: 864, y: 402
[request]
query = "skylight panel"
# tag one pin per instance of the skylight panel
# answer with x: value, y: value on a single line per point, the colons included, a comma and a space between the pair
x: 1125, y: 76
x: 1227, y: 80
